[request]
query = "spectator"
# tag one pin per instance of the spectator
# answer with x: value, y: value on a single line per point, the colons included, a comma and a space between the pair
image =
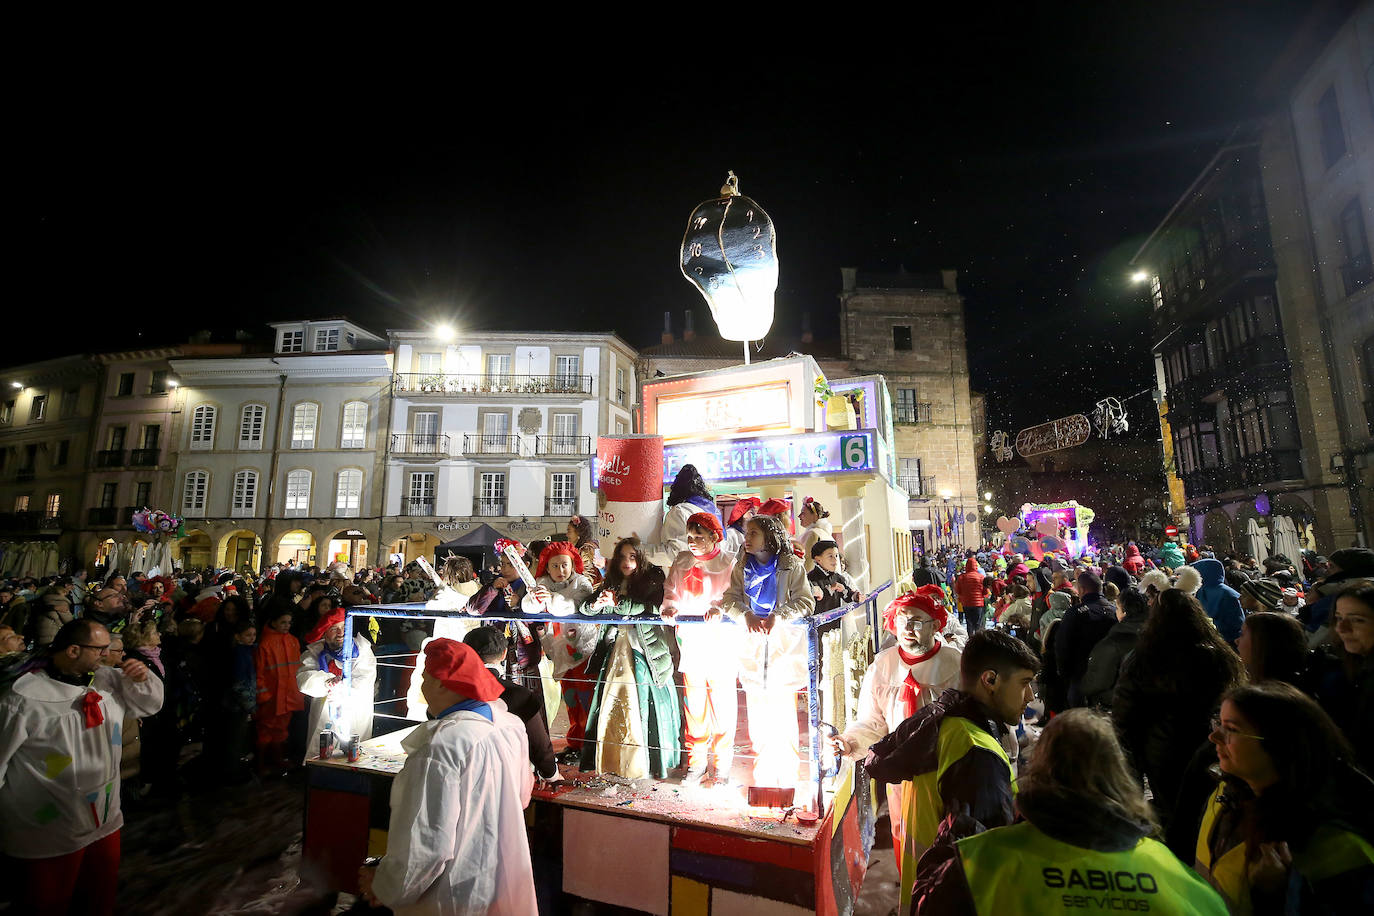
x: 1273, y: 647
x: 53, y: 612
x: 1082, y: 814
x: 1104, y: 665
x: 1168, y: 690
x: 277, y: 658
x: 1220, y: 601
x: 1346, y: 690
x: 70, y: 711
x: 1342, y: 570
x: 490, y: 645
x: 1080, y: 630
x: 1282, y: 832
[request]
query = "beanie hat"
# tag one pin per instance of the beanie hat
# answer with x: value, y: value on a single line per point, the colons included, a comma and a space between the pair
x: 458, y: 667
x: 1265, y: 591
x: 558, y: 549
x: 707, y: 521
x: 1059, y: 600
x: 821, y: 547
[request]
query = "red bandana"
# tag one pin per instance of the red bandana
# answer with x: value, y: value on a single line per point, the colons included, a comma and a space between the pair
x: 90, y: 708
x: 910, y: 688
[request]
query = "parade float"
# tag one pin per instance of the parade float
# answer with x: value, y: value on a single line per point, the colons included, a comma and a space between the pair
x: 776, y: 430
x: 1052, y: 528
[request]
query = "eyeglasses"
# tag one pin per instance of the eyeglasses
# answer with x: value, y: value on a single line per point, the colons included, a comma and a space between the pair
x: 1229, y: 734
x: 103, y: 650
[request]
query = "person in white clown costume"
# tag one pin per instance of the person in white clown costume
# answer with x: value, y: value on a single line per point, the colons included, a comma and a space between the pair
x: 816, y: 527
x: 901, y: 680
x: 345, y: 707
x: 709, y: 661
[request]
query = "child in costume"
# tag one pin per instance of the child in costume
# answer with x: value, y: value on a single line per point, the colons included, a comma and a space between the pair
x: 767, y: 591
x: 634, y: 722
x: 560, y: 590
x: 277, y: 659
x: 901, y: 680
x: 709, y: 659
x: 830, y: 586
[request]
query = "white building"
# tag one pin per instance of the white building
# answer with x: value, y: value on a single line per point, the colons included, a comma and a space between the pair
x: 498, y: 429
x: 278, y: 455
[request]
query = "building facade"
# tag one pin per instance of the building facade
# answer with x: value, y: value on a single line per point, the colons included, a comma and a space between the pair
x: 279, y: 456
x: 498, y: 431
x: 47, y: 410
x: 1317, y: 159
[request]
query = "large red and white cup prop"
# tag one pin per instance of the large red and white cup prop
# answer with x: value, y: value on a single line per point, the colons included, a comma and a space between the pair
x: 629, y: 473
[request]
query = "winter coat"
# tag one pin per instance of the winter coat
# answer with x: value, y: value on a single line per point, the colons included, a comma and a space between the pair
x: 1344, y: 686
x: 47, y: 619
x: 830, y: 599
x: 1162, y: 709
x: 1134, y: 562
x: 776, y: 659
x: 1082, y: 628
x: 969, y: 586
x: 1171, y: 555
x: 1220, y: 601
x: 524, y: 704
x: 1104, y: 664
x: 564, y: 597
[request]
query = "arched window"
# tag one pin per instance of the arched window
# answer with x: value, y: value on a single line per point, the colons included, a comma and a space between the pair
x: 251, y: 426
x: 298, y: 493
x: 245, y: 502
x: 349, y: 497
x: 354, y: 433
x: 303, y: 421
x: 194, y: 491
x: 203, y: 428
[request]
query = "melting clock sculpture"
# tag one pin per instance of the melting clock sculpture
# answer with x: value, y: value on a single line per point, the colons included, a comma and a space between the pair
x: 729, y: 253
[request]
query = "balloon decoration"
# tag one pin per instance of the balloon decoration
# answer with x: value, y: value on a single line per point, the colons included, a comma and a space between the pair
x: 156, y: 521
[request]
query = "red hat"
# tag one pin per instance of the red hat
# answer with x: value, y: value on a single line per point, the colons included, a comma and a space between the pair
x: 915, y: 601
x: 334, y: 617
x: 502, y: 543
x: 558, y: 549
x: 708, y: 521
x: 741, y: 506
x: 774, y: 506
x: 460, y: 669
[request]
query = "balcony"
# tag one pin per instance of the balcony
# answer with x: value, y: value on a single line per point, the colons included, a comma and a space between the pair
x: 560, y: 507
x: 478, y: 384
x: 486, y: 444
x: 1356, y: 275
x: 102, y: 515
x: 580, y: 446
x: 918, y: 487
x: 620, y: 396
x: 110, y: 458
x: 143, y: 458
x: 431, y: 445
x: 491, y: 508
x: 418, y: 507
x: 1270, y: 466
x: 921, y: 412
x: 23, y: 474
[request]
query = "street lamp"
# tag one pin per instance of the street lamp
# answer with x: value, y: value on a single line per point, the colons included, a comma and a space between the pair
x: 987, y: 509
x: 444, y: 332
x: 988, y: 496
x: 1139, y: 276
x: 19, y: 385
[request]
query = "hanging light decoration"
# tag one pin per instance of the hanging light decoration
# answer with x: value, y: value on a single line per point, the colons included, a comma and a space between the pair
x: 729, y: 253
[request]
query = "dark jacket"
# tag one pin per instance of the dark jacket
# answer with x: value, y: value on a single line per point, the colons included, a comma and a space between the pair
x: 522, y: 702
x: 1344, y: 686
x: 830, y: 600
x: 1083, y: 627
x: 942, y: 887
x: 1220, y: 601
x: 1162, y: 709
x: 976, y: 784
x: 1104, y: 664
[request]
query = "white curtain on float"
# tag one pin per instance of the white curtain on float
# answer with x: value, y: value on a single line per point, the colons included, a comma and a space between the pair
x: 1258, y: 541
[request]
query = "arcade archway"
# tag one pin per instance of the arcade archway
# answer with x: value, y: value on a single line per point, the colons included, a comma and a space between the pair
x: 241, y: 549
x: 296, y: 547
x: 415, y: 544
x: 195, y: 551
x: 346, y: 546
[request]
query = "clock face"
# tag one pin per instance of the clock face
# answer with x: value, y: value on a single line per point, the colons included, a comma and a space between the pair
x: 729, y: 253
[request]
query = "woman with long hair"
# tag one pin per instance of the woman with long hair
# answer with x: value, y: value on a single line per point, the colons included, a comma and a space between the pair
x: 686, y: 497
x: 1273, y: 647
x: 635, y: 716
x: 816, y: 527
x: 1168, y: 690
x: 580, y: 530
x: 1346, y: 687
x: 1085, y: 829
x: 1286, y: 830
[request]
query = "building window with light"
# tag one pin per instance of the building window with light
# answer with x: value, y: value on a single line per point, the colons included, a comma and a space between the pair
x: 38, y: 410
x: 251, y: 423
x: 297, y: 493
x: 7, y: 413
x: 354, y: 433
x: 53, y: 507
x: 245, y: 500
x: 292, y: 342
x: 21, y: 504
x: 203, y: 428
x: 348, y: 498
x: 327, y: 339
x: 303, y: 422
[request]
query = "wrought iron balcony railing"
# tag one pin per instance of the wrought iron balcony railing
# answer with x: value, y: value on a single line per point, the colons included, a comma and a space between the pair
x: 481, y: 383
x: 563, y: 445
x: 432, y: 444
x: 913, y: 413
x: 487, y: 444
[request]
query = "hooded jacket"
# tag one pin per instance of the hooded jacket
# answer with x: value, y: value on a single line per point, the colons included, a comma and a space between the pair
x: 969, y: 586
x: 1219, y: 600
x: 1171, y: 555
x: 1134, y: 562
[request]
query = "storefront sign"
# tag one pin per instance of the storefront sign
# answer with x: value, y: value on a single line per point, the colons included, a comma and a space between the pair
x: 774, y: 456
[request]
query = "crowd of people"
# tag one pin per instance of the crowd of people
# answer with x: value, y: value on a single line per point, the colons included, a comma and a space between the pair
x: 1193, y: 727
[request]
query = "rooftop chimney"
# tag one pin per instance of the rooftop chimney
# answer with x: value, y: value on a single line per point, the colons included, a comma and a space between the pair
x: 667, y: 328
x: 806, y: 336
x: 689, y: 331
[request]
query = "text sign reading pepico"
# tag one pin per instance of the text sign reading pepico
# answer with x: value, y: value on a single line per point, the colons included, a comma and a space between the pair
x: 773, y: 456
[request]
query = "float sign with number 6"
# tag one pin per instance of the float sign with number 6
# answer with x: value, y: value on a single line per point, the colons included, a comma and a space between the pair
x: 773, y: 456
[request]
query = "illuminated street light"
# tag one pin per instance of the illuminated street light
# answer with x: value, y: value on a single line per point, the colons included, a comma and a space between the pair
x: 444, y: 332
x: 1139, y: 276
x: 946, y: 495
x: 16, y: 384
x: 988, y: 496
x: 987, y: 509
x: 172, y: 383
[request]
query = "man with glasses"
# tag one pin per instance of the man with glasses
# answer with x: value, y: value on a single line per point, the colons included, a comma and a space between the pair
x: 108, y: 607
x: 60, y: 746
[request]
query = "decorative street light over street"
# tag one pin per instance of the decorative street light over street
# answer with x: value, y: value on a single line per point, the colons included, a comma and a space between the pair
x: 729, y: 253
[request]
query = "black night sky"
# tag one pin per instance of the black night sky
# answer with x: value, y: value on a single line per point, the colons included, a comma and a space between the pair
x: 545, y: 183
